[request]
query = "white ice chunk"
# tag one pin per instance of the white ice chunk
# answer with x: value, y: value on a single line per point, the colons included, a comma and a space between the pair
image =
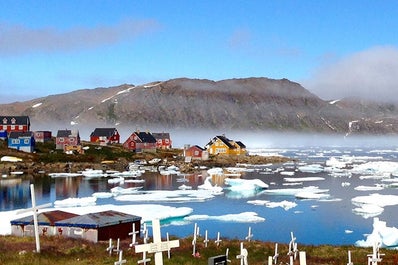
x: 72, y: 202
x: 245, y: 217
x: 387, y: 236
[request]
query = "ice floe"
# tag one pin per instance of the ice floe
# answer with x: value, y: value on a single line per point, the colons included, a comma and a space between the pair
x: 376, y: 168
x: 386, y: 236
x: 286, y: 205
x: 245, y: 184
x: 245, y: 217
x: 303, y: 179
x: 314, y: 168
x: 372, y: 205
x: 73, y: 202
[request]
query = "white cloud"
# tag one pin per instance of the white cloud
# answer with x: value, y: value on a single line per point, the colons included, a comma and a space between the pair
x: 19, y: 39
x: 370, y: 74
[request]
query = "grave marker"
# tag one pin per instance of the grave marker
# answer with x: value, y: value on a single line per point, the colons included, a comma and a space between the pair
x: 35, y: 209
x: 243, y: 255
x: 206, y: 240
x: 121, y: 260
x: 375, y: 257
x: 117, y: 249
x: 249, y: 234
x: 218, y: 241
x: 226, y: 254
x: 144, y: 259
x: 292, y: 247
x: 349, y: 258
x: 276, y: 255
x: 303, y: 258
x: 133, y: 235
x: 157, y: 246
x: 110, y: 247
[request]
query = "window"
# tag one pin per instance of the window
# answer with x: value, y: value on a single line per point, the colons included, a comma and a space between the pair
x: 196, y: 153
x: 26, y: 141
x: 20, y: 127
x: 61, y: 140
x: 15, y: 141
x: 167, y: 141
x: 12, y: 127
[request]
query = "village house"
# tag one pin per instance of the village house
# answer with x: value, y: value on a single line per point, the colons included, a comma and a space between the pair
x: 68, y: 141
x: 105, y: 136
x: 46, y: 223
x: 14, y: 123
x: 140, y: 142
x: 99, y: 226
x: 22, y: 141
x: 42, y: 136
x: 222, y: 145
x: 163, y: 140
x: 195, y: 152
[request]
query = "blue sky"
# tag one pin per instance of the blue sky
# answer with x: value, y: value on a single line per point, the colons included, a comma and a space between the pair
x: 332, y: 48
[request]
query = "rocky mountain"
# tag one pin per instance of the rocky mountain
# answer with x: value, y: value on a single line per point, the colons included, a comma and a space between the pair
x: 247, y: 104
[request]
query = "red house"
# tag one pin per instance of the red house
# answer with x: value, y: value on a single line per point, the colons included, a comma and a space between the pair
x: 140, y: 142
x: 105, y: 136
x: 42, y: 136
x: 163, y: 140
x: 196, y: 153
x: 14, y: 123
x: 68, y: 140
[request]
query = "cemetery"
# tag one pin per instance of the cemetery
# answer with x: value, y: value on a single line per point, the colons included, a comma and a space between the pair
x: 125, y: 241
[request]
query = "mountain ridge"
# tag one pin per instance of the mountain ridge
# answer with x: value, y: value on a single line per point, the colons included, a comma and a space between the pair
x: 255, y: 104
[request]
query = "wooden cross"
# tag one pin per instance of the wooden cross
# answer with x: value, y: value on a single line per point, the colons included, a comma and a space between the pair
x: 195, y: 232
x: 243, y: 255
x: 117, y: 249
x: 121, y: 260
x: 206, y: 240
x: 292, y: 247
x: 157, y: 246
x: 249, y: 234
x: 145, y: 232
x: 349, y: 258
x: 218, y: 241
x: 375, y: 257
x: 133, y: 235
x: 276, y: 255
x: 144, y: 259
x: 111, y: 247
x: 35, y: 209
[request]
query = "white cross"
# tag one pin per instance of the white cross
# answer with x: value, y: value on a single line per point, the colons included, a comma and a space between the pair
x: 206, y: 240
x: 292, y: 246
x: 349, y: 258
x: 133, y: 235
x: 157, y: 246
x: 195, y: 232
x: 35, y: 209
x: 144, y: 259
x: 276, y: 255
x: 117, y: 250
x: 218, y: 241
x: 121, y: 260
x: 249, y: 234
x: 226, y: 255
x: 243, y: 255
x: 111, y: 246
x: 145, y: 232
x: 375, y: 257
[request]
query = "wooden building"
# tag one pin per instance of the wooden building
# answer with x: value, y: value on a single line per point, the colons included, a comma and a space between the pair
x: 140, y: 142
x: 163, y: 140
x: 222, y: 145
x: 14, y: 123
x: 42, y: 136
x: 68, y: 140
x: 105, y: 136
x: 46, y: 221
x: 196, y: 152
x: 100, y: 226
x: 22, y: 141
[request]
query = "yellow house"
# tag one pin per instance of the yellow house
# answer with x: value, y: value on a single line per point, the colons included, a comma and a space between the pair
x: 222, y: 145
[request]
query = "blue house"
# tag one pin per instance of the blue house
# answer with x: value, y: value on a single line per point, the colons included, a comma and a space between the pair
x: 23, y: 141
x: 3, y: 135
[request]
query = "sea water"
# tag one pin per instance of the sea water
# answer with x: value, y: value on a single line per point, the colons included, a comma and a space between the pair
x: 332, y: 218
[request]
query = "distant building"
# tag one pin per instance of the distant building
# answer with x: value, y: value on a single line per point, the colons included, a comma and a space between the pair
x: 68, y: 140
x: 222, y: 145
x: 105, y: 136
x: 14, y: 123
x: 46, y: 221
x: 195, y: 152
x: 140, y: 142
x: 42, y: 136
x: 163, y: 140
x: 22, y: 141
x: 99, y: 226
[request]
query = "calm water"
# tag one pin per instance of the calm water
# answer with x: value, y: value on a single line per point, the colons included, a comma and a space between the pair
x: 312, y: 221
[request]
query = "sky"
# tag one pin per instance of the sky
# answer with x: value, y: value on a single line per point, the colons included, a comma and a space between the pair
x: 334, y: 49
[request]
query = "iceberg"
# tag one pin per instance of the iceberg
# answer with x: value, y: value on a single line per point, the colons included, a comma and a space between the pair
x: 208, y: 186
x: 386, y: 236
x: 314, y: 168
x: 245, y: 184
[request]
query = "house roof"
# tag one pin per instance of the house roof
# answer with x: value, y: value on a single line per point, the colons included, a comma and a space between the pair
x: 13, y: 120
x: 196, y: 147
x: 67, y: 133
x: 146, y: 137
x: 97, y: 220
x: 16, y: 135
x: 162, y: 135
x: 241, y: 145
x: 46, y: 218
x: 108, y: 132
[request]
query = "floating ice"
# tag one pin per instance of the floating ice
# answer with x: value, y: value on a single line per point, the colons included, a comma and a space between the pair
x: 368, y: 188
x: 368, y: 210
x: 376, y: 199
x: 245, y: 184
x: 312, y: 195
x: 208, y: 186
x: 386, y: 236
x: 123, y: 191
x: 293, y: 192
x: 64, y: 175
x: 245, y: 217
x: 303, y: 179
x: 102, y: 195
x: 72, y: 202
x: 168, y: 196
x: 376, y: 168
x: 283, y: 204
x: 314, y: 168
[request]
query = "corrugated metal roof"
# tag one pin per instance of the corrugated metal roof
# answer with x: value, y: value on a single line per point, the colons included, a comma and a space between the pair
x: 97, y: 220
x: 108, y: 132
x: 46, y: 218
